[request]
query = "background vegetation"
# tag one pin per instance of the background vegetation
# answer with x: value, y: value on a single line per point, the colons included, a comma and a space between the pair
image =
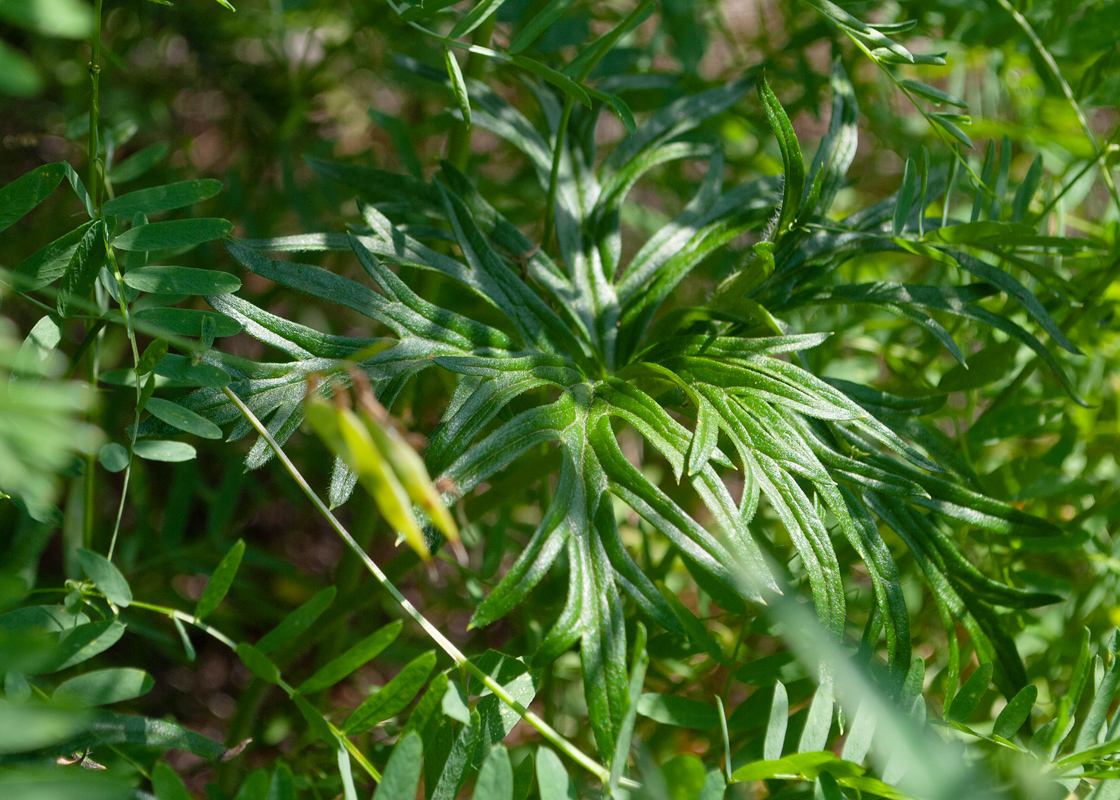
x: 802, y: 333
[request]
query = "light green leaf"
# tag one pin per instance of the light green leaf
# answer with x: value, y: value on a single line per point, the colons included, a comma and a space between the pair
x: 18, y: 76
x: 402, y: 774
x: 814, y: 736
x: 220, y: 581
x: 113, y: 457
x: 934, y: 95
x: 349, y: 792
x: 103, y: 687
x: 672, y: 709
x: 24, y: 728
x: 495, y: 779
x: 172, y: 235
x: 458, y: 85
x: 66, y: 19
x: 164, y: 450
x: 106, y: 577
x: 183, y: 419
x: 552, y: 779
x: 454, y: 704
x: 776, y: 729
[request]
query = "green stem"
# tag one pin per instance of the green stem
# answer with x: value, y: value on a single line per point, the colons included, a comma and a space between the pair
x: 89, y: 489
x: 461, y: 661
x: 94, y: 109
x: 190, y: 619
x: 139, y: 393
x: 459, y: 145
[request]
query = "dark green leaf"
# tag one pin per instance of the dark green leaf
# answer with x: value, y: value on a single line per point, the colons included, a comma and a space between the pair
x: 84, y: 642
x: 172, y: 235
x: 557, y: 79
x: 475, y: 17
x: 970, y: 694
x: 298, y: 621
x: 50, y: 263
x: 106, y: 577
x: 167, y: 784
x: 186, y: 321
x: 161, y: 198
x: 182, y: 280
x: 672, y: 709
x: 539, y: 24
x: 220, y: 581
x: 794, y: 186
x: 989, y: 365
x: 258, y: 663
x: 103, y: 687
x: 24, y: 193
x: 393, y: 697
x: 364, y: 651
x: 1016, y: 712
x: 139, y: 163
x: 905, y: 198
x: 180, y: 368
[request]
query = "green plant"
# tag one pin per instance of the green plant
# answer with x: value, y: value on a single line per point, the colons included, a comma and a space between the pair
x: 651, y: 398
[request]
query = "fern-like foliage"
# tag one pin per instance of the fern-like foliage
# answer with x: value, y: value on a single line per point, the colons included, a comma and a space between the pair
x: 586, y: 345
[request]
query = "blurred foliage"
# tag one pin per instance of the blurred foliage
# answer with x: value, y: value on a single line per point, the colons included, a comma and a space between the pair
x: 246, y: 653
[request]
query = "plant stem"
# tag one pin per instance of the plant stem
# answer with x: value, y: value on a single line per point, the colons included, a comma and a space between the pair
x: 94, y: 109
x: 190, y: 619
x: 89, y: 488
x: 461, y: 661
x: 139, y: 393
